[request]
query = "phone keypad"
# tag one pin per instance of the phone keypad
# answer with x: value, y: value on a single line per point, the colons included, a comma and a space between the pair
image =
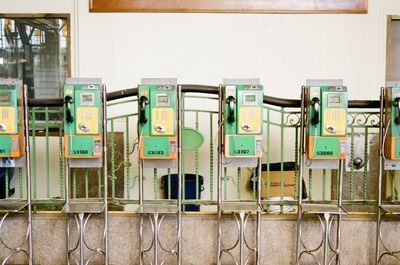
x: 4, y: 114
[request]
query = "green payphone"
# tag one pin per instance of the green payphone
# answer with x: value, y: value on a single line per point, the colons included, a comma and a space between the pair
x: 326, y: 121
x: 159, y: 138
x: 323, y: 130
x: 240, y: 146
x: 15, y: 153
x: 83, y: 118
x: 243, y: 119
x: 392, y: 121
x: 157, y: 120
x: 85, y: 138
x: 11, y: 119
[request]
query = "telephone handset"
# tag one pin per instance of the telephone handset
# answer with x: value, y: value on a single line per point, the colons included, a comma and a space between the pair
x: 143, y: 101
x: 315, y: 103
x: 68, y: 101
x: 392, y: 121
x: 396, y: 103
x: 231, y: 102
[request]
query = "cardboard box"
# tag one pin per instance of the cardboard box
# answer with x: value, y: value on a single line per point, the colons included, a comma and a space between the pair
x: 275, y: 184
x: 275, y: 180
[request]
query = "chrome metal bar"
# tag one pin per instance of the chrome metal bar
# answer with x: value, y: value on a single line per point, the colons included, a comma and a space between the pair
x: 179, y: 118
x: 219, y: 175
x: 141, y: 251
x: 300, y: 178
x: 339, y: 216
x: 81, y: 242
x: 340, y: 186
x: 68, y: 243
x: 326, y: 239
x: 338, y: 236
x: 28, y: 174
x: 105, y: 175
x: 205, y: 89
x: 241, y: 239
x: 380, y: 174
x: 258, y: 225
x: 155, y: 239
x: 377, y: 238
x: 68, y: 215
x: 140, y: 172
x: 67, y: 200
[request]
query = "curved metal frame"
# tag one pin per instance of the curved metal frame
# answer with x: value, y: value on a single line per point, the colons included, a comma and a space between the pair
x: 82, y: 218
x: 325, y: 218
x: 206, y: 89
x: 19, y: 247
x: 28, y: 208
x: 81, y: 222
x: 156, y: 222
x: 380, y: 244
x: 243, y: 214
x: 156, y: 219
x: 241, y: 240
x: 326, y: 228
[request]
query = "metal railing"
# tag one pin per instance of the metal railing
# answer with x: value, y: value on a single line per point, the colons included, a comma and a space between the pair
x: 200, y: 108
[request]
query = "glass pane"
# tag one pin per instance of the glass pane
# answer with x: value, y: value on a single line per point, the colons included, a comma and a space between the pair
x: 394, y: 62
x: 36, y: 50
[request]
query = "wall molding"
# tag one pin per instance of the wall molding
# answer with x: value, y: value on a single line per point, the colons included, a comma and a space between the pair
x: 231, y: 6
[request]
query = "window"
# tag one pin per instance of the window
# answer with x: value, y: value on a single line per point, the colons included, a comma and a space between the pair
x: 36, y: 49
x: 393, y: 49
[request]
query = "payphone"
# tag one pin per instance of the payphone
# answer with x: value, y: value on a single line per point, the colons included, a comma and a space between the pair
x: 82, y: 122
x: 323, y: 129
x: 85, y: 138
x: 389, y: 165
x: 157, y: 122
x: 392, y: 122
x: 15, y: 153
x: 240, y: 146
x: 327, y: 122
x: 11, y: 119
x: 159, y: 136
x: 243, y: 120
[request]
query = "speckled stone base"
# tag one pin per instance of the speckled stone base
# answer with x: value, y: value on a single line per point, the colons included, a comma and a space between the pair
x: 199, y: 238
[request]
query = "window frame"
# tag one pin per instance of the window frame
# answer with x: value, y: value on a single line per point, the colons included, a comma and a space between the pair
x: 232, y: 6
x: 65, y: 16
x: 390, y: 18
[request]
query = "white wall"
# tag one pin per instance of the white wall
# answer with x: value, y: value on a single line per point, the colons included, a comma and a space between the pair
x: 282, y: 50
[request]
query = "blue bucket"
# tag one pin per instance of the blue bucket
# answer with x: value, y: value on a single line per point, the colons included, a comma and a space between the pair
x: 3, y: 171
x: 190, y: 189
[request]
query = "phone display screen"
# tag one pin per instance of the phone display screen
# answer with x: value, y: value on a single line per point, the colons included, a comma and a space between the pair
x: 87, y: 99
x: 250, y: 98
x: 5, y: 98
x: 162, y: 100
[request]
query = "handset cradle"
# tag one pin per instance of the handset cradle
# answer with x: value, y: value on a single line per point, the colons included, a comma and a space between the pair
x: 315, y: 103
x: 68, y: 101
x: 143, y: 101
x: 396, y: 103
x: 231, y: 102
